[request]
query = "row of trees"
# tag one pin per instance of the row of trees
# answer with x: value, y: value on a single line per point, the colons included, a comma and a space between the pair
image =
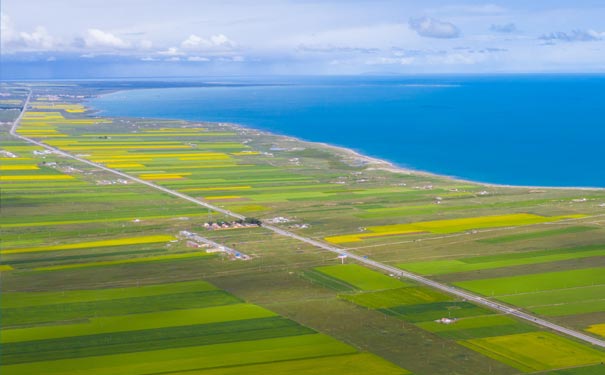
x: 248, y: 220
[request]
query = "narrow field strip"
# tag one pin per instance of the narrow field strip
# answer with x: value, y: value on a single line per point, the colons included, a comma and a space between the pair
x: 94, y: 244
x: 157, y: 258
x: 536, y: 351
x: 137, y: 322
x: 361, y: 277
x: 27, y: 299
x: 190, y: 358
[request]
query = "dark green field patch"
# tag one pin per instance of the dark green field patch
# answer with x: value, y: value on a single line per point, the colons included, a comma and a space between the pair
x: 531, y: 254
x: 437, y: 310
x: 24, y: 263
x: 152, y: 339
x: 385, y: 299
x: 83, y: 310
x: 480, y: 332
x: 533, y: 235
x: 588, y: 370
x: 326, y: 281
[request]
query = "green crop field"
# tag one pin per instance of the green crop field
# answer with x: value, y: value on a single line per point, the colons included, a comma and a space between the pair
x: 560, y: 299
x: 395, y: 297
x: 355, y: 364
x: 503, y: 260
x: 361, y: 277
x: 96, y: 279
x: 191, y: 358
x: 540, y: 234
x: 536, y: 351
x: 477, y: 327
x: 536, y: 282
x: 135, y: 322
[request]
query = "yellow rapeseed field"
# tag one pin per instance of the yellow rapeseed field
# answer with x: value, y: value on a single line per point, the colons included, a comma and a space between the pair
x: 36, y: 177
x: 18, y: 167
x: 219, y: 197
x: 93, y: 244
x: 219, y: 188
x: 597, y: 329
x: 450, y: 226
x: 125, y: 165
x: 162, y: 176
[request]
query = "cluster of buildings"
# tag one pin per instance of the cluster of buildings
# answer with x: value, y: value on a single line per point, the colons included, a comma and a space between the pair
x: 196, y: 241
x: 227, y: 225
x: 446, y: 321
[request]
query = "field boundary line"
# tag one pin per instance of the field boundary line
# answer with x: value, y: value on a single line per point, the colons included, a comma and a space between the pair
x: 397, y: 272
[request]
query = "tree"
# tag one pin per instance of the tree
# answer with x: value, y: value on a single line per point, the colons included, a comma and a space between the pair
x: 253, y: 220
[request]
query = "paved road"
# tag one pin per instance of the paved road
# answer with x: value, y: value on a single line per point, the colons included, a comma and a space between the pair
x: 468, y: 296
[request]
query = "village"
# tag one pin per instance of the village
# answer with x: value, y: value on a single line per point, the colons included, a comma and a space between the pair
x: 198, y: 242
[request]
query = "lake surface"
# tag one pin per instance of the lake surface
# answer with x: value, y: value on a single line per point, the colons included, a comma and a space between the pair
x: 518, y: 130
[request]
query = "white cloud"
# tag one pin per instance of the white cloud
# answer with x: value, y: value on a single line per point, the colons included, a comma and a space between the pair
x: 574, y: 36
x: 37, y: 40
x: 391, y: 61
x: 216, y: 45
x: 7, y: 33
x: 145, y: 44
x: 172, y: 51
x: 455, y: 59
x: 484, y: 9
x: 433, y: 28
x: 504, y: 28
x: 218, y: 41
x: 197, y: 59
x: 96, y: 38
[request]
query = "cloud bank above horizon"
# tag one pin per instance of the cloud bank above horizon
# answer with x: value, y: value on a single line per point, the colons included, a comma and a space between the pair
x: 304, y: 37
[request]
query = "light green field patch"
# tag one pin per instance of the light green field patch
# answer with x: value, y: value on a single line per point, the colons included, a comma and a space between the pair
x: 361, y: 277
x: 468, y: 323
x: 536, y: 351
x: 536, y: 282
x: 556, y: 297
x: 158, y: 258
x: 99, y: 220
x: 247, y: 208
x: 395, y: 297
x: 355, y: 364
x: 189, y: 358
x: 136, y: 322
x: 572, y: 308
x: 477, y: 327
x: 534, y: 235
x: 442, y: 267
x: 24, y: 299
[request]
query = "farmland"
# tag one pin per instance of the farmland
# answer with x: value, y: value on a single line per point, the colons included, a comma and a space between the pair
x: 112, y: 324
x: 96, y: 278
x: 534, y: 352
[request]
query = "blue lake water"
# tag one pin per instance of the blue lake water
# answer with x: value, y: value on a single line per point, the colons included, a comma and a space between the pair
x: 518, y: 130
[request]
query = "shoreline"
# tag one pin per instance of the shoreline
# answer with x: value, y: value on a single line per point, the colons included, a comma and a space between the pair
x: 383, y: 165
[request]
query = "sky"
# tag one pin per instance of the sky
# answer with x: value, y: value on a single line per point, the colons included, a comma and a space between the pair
x: 145, y: 38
